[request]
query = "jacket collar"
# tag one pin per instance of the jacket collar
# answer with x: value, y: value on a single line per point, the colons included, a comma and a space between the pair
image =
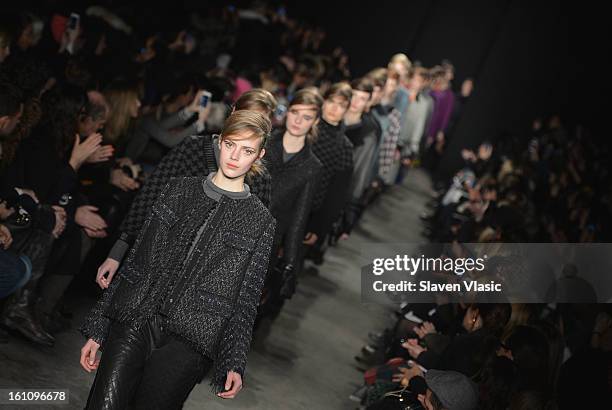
x: 274, y: 152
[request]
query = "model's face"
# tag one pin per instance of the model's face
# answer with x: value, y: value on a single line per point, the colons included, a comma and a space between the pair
x: 334, y: 109
x: 359, y: 101
x: 238, y: 152
x: 300, y: 119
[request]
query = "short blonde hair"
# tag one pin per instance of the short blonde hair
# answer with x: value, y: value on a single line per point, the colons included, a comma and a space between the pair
x: 255, y: 122
x: 402, y: 59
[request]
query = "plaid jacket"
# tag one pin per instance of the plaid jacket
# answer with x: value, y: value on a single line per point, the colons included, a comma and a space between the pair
x: 389, y: 141
x: 335, y: 152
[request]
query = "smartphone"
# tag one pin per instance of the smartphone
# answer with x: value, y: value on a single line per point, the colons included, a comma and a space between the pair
x: 73, y: 21
x: 206, y: 96
x: 280, y: 112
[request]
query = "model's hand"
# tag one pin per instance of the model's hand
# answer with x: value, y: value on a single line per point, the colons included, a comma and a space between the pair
x: 89, y: 361
x: 109, y: 267
x: 233, y: 384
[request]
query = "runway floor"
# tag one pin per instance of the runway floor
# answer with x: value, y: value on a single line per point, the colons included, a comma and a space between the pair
x: 303, y: 360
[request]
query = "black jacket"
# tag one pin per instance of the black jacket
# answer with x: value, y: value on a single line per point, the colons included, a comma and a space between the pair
x: 294, y: 184
x: 194, y: 157
x: 335, y: 152
x: 210, y: 295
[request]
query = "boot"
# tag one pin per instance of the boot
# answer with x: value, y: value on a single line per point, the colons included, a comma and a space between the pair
x: 52, y: 289
x: 19, y: 315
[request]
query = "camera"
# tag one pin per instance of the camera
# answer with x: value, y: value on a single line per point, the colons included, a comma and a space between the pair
x: 73, y: 21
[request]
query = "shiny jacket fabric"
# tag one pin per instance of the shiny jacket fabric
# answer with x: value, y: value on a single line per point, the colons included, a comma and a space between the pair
x: 210, y: 295
x: 294, y: 184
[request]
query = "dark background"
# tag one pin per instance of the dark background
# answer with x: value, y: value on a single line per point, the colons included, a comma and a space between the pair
x: 528, y: 58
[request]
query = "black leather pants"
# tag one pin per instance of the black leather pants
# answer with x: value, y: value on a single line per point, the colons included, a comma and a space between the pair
x: 145, y: 369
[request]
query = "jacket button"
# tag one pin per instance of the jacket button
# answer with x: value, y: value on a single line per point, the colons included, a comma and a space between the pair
x: 171, y: 300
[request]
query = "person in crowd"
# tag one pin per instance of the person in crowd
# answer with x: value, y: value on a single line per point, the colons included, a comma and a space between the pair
x: 295, y: 172
x: 221, y: 248
x: 47, y: 164
x: 167, y: 127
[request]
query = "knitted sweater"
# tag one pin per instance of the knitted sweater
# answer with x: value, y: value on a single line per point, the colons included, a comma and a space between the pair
x: 207, y: 283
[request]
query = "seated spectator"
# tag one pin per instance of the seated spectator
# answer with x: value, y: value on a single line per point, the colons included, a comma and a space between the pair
x: 159, y: 131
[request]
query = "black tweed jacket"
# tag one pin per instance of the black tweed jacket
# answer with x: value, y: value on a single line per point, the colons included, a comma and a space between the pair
x: 210, y: 295
x: 294, y: 184
x: 192, y: 157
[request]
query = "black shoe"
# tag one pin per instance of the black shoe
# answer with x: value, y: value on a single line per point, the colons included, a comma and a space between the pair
x: 19, y: 316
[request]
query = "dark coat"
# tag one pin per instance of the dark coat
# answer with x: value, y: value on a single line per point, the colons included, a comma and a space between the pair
x: 194, y: 157
x: 335, y: 152
x: 294, y: 184
x: 210, y: 295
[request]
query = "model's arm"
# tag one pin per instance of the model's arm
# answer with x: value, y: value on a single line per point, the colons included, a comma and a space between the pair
x: 172, y: 165
x: 96, y: 325
x: 236, y: 338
